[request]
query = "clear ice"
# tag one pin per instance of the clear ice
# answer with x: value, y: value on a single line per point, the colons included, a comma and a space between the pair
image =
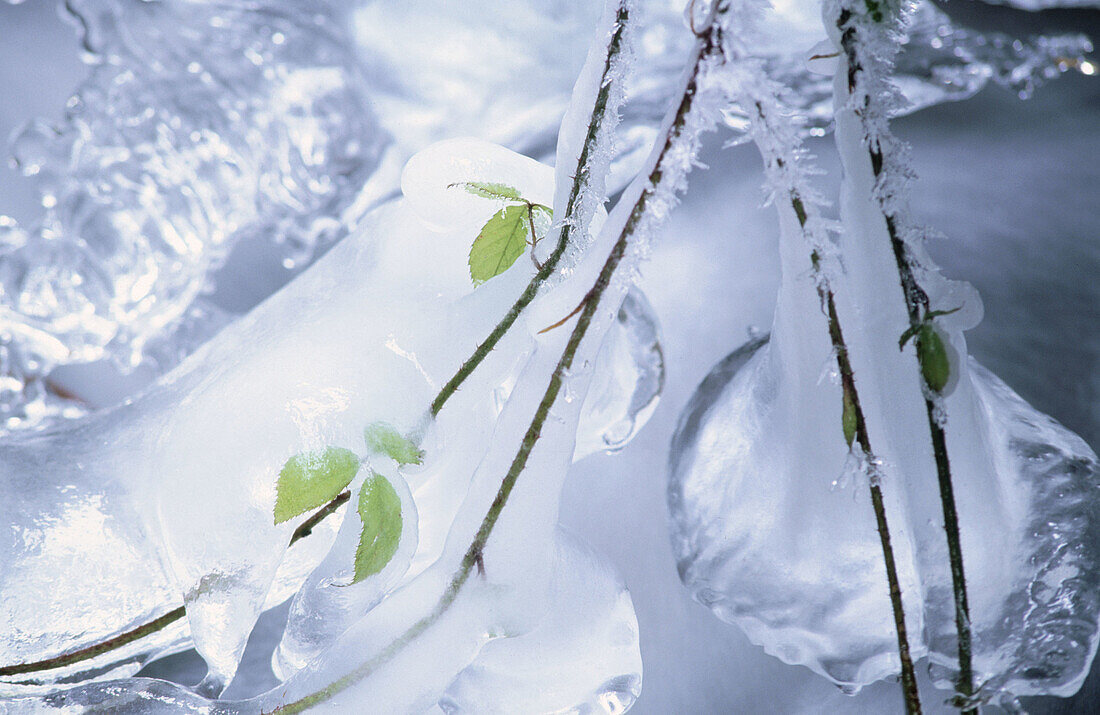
x: 772, y: 526
x: 362, y: 336
x: 194, y: 101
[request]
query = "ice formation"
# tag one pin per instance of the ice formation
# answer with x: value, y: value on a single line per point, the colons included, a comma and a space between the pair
x: 772, y: 526
x: 362, y: 336
x: 198, y: 124
x: 346, y: 92
x: 368, y: 334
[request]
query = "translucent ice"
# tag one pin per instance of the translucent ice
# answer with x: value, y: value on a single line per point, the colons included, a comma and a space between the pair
x: 186, y: 100
x: 199, y: 453
x: 769, y: 542
x: 628, y: 382
x: 199, y: 124
x: 772, y: 525
x: 582, y: 657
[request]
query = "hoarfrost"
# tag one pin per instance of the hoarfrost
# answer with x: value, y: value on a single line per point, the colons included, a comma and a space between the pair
x: 764, y: 539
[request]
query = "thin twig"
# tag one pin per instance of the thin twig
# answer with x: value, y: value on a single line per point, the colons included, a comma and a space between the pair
x: 580, y: 180
x: 917, y: 306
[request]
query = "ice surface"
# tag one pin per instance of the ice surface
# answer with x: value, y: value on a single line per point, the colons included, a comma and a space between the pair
x: 628, y: 382
x: 941, y: 61
x: 198, y: 124
x: 328, y: 602
x: 766, y: 538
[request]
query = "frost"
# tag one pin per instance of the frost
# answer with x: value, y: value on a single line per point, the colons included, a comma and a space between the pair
x: 769, y: 527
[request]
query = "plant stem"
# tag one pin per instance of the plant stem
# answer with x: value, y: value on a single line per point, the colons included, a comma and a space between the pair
x: 473, y: 555
x: 775, y: 165
x: 580, y: 181
x: 159, y: 623
x: 917, y: 305
x: 848, y: 385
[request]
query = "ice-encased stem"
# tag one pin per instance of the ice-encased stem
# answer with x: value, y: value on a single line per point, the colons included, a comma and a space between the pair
x: 602, y: 120
x: 917, y: 306
x: 776, y: 161
x: 159, y: 623
x: 655, y: 177
x: 603, y: 117
x: 851, y: 393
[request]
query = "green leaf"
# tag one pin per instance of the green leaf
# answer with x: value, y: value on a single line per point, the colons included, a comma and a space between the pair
x: 848, y: 418
x: 382, y: 438
x: 380, y: 511
x: 935, y: 366
x: 312, y: 479
x: 491, y: 190
x: 502, y: 240
x: 937, y: 313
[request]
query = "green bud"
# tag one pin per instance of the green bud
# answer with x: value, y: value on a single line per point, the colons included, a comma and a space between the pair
x: 935, y: 366
x: 848, y: 418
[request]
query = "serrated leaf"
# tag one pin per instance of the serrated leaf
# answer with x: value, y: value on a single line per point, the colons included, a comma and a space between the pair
x: 312, y: 479
x: 491, y: 190
x: 380, y: 512
x: 382, y: 438
x: 502, y: 240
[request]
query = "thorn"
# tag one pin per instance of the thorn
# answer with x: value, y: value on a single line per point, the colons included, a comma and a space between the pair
x: 480, y: 561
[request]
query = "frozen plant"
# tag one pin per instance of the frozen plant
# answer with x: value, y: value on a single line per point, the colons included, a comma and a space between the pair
x: 384, y: 442
x: 284, y: 121
x: 418, y: 562
x: 984, y: 511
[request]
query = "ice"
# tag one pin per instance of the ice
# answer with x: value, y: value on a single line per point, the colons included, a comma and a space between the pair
x: 197, y: 125
x: 199, y: 452
x: 328, y: 602
x: 582, y: 657
x: 770, y: 531
x: 941, y: 61
x: 628, y: 382
x: 347, y: 92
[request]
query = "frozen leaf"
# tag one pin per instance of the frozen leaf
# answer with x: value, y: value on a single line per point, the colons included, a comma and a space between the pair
x: 312, y: 479
x: 382, y: 438
x: 502, y: 240
x: 380, y: 511
x: 491, y: 190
